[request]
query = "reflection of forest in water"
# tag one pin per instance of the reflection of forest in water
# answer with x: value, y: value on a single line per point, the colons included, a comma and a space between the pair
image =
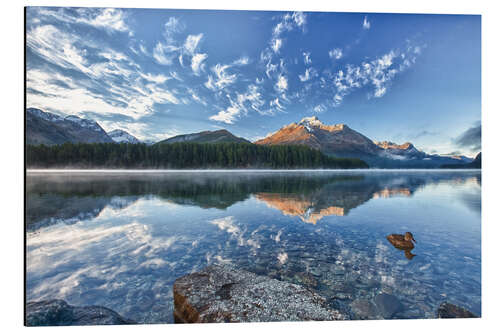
x: 53, y: 198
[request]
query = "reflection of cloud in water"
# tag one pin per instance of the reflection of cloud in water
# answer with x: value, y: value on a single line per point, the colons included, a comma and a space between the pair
x: 228, y: 224
x: 282, y: 257
x: 76, y: 263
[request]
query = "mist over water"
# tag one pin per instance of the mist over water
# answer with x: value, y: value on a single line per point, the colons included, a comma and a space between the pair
x: 120, y: 239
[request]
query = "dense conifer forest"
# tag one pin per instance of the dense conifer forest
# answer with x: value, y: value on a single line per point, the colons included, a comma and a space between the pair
x: 182, y: 156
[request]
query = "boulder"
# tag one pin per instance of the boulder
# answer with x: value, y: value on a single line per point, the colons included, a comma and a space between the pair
x: 59, y: 313
x: 448, y: 310
x: 363, y: 309
x: 388, y: 305
x: 222, y: 293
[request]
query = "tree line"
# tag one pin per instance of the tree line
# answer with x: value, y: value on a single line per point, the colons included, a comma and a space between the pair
x: 182, y: 155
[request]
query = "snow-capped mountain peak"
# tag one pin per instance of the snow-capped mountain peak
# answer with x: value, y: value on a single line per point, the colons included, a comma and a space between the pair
x: 310, y: 122
x: 92, y: 125
x: 45, y: 115
x: 119, y: 136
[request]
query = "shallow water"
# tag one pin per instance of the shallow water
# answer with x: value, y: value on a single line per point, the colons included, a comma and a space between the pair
x: 121, y: 240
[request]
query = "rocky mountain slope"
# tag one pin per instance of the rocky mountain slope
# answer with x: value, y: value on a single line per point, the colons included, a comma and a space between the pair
x: 48, y: 128
x: 336, y: 139
x: 342, y: 141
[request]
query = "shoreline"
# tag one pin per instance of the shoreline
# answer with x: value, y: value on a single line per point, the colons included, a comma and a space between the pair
x: 34, y: 171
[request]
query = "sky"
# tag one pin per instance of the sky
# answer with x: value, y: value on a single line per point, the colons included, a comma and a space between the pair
x: 157, y: 73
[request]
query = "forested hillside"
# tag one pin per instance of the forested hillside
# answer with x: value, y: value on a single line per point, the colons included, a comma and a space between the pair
x: 182, y: 156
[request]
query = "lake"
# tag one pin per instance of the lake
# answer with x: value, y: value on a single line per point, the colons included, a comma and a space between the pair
x: 120, y: 240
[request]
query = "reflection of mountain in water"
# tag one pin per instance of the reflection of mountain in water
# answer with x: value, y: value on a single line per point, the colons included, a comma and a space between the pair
x: 333, y: 198
x: 52, y: 198
x: 44, y: 209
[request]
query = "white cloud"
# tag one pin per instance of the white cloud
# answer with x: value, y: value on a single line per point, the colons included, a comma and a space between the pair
x: 287, y: 23
x: 276, y: 45
x: 222, y: 78
x: 133, y: 100
x: 191, y: 43
x: 143, y: 49
x: 335, y: 53
x: 160, y: 78
x: 309, y: 73
x: 56, y: 47
x: 270, y: 68
x: 197, y: 62
x: 299, y: 18
x: 366, y: 23
x: 227, y: 116
x: 109, y: 19
x: 276, y: 103
x: 241, y: 61
x: 378, y: 73
x: 172, y: 27
x: 164, y: 54
x: 252, y: 99
x: 282, y: 83
x: 307, y: 58
x: 319, y: 108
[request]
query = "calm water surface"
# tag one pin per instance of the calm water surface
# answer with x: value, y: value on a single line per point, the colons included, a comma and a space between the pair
x: 121, y: 240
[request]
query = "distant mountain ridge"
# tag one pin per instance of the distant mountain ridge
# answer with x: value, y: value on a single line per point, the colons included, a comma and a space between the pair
x: 342, y: 141
x: 218, y: 136
x: 48, y: 128
x: 336, y: 140
x: 475, y: 164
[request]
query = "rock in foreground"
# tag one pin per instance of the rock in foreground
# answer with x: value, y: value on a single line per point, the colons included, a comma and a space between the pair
x: 59, y: 313
x: 448, y: 310
x: 388, y: 305
x: 222, y: 293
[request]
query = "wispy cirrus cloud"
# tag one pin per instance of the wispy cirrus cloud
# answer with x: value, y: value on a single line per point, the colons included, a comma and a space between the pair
x: 335, y: 53
x: 104, y: 79
x: 307, y: 58
x: 377, y: 73
x: 240, y: 105
x: 282, y: 83
x: 109, y: 19
x: 308, y: 75
x: 140, y: 76
x: 366, y: 23
x: 191, y: 43
x: 221, y: 77
x: 197, y: 64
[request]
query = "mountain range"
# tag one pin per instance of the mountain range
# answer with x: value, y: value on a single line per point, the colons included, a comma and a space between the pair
x: 342, y: 141
x: 49, y: 129
x: 336, y: 140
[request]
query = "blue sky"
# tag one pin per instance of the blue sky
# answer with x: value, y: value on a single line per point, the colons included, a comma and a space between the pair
x: 158, y: 73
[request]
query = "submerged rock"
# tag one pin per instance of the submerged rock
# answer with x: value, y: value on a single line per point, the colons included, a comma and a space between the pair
x: 388, y: 305
x: 222, y: 293
x: 59, y: 313
x: 448, y: 310
x: 363, y: 309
